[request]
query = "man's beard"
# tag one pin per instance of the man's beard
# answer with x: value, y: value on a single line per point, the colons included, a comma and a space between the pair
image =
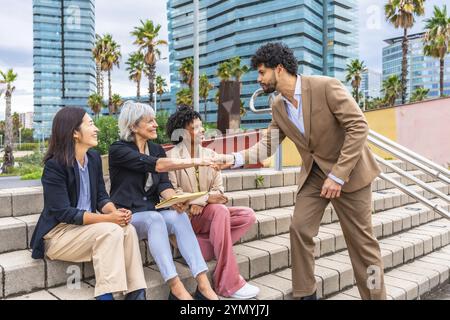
x: 271, y: 87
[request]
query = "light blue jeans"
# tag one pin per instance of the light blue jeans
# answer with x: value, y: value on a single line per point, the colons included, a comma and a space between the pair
x: 156, y: 226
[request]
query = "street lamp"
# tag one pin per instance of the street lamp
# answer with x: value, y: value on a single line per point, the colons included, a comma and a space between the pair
x: 196, y: 57
x: 20, y: 138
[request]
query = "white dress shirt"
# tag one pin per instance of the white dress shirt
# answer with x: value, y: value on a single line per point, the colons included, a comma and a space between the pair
x: 296, y: 116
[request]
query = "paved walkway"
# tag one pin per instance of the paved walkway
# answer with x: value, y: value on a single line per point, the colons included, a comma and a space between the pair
x: 442, y: 293
x: 15, y: 182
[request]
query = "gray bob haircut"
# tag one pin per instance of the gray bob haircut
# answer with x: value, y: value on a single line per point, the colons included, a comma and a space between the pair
x: 130, y: 115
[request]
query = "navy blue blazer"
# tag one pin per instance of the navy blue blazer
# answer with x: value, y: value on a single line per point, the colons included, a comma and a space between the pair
x: 129, y: 170
x: 61, y: 186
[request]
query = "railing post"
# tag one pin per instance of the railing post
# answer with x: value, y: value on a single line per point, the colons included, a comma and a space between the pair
x: 279, y: 158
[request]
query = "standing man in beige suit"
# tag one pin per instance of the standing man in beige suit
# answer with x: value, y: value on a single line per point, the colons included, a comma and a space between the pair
x: 330, y: 132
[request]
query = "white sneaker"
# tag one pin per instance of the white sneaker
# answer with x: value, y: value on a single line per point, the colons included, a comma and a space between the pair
x: 246, y: 292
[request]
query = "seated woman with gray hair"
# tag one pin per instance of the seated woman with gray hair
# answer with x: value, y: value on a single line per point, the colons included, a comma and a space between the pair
x: 138, y: 171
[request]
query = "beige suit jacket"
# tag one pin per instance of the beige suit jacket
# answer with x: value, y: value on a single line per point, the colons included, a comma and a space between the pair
x: 335, y: 134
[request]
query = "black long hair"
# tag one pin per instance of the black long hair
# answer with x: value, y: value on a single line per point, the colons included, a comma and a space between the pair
x: 179, y: 120
x: 62, y: 144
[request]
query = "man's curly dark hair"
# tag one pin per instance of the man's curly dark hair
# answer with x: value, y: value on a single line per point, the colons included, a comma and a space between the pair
x: 182, y: 117
x: 274, y: 53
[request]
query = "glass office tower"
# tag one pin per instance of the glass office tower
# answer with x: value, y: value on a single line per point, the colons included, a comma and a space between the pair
x: 323, y: 35
x: 64, y: 71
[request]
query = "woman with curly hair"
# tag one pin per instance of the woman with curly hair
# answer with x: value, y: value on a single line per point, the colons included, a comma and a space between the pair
x: 217, y: 227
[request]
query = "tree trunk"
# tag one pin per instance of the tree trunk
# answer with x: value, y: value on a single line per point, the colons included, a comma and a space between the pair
x: 151, y: 85
x: 441, y: 77
x: 357, y: 95
x: 8, y: 158
x: 404, y: 64
x: 102, y: 85
x: 99, y: 81
x: 160, y: 101
x: 109, y: 93
x: 138, y: 91
x: 206, y: 111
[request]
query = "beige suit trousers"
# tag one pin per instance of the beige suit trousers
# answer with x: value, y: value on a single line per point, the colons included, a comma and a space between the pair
x: 355, y: 216
x: 114, y: 251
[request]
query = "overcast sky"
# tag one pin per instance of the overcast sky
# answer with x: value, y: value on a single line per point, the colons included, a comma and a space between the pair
x: 119, y: 18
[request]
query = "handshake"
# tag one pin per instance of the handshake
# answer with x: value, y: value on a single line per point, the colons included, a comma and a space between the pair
x: 217, y: 162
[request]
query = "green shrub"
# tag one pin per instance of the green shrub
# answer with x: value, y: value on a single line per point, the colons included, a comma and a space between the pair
x: 28, y: 147
x: 108, y: 133
x: 37, y: 174
x: 32, y: 159
x: 162, y: 118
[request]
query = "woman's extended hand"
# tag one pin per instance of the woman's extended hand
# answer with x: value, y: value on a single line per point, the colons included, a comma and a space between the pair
x: 217, y: 199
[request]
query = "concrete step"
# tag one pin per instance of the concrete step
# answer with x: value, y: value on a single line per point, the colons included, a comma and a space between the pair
x: 21, y: 273
x: 417, y: 263
x: 274, y: 209
x: 410, y: 272
x: 412, y: 280
x: 27, y: 201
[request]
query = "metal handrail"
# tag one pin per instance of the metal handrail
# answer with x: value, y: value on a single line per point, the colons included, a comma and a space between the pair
x: 433, y: 206
x: 256, y: 94
x: 411, y: 158
x: 419, y: 182
x: 411, y: 153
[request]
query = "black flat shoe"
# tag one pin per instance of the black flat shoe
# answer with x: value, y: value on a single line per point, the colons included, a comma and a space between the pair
x: 199, y: 296
x: 172, y: 296
x: 311, y: 297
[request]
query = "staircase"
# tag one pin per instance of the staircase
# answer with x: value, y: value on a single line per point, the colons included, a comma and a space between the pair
x: 414, y: 240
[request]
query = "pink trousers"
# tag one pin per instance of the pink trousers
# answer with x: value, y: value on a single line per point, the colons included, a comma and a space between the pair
x: 217, y: 228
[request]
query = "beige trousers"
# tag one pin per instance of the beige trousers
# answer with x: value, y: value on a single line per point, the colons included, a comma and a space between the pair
x: 355, y: 217
x: 114, y: 251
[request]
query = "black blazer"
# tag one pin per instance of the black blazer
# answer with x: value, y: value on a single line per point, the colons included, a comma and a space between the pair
x: 128, y: 171
x: 61, y: 192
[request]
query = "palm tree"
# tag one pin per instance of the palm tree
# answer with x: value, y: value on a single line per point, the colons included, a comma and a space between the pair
x: 205, y: 87
x: 146, y: 38
x: 437, y: 40
x: 95, y: 102
x: 236, y: 70
x: 98, y: 53
x: 184, y: 97
x: 16, y: 124
x: 354, y: 70
x: 401, y: 14
x: 116, y: 102
x: 8, y: 78
x: 186, y: 71
x: 111, y: 58
x: 161, y: 86
x: 392, y: 88
x: 419, y: 94
x: 242, y: 110
x: 136, y: 67
x: 224, y: 71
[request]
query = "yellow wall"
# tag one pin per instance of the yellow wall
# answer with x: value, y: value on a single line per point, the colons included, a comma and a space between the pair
x: 291, y: 157
x: 383, y: 122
